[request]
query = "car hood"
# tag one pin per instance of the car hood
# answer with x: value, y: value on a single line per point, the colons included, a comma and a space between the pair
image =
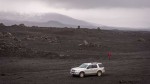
x: 78, y: 68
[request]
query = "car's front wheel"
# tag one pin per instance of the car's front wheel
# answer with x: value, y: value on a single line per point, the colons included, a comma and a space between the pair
x: 72, y: 75
x: 99, y: 73
x: 81, y: 74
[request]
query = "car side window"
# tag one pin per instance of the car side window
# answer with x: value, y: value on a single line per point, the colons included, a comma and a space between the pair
x: 90, y: 66
x: 100, y: 65
x: 94, y: 66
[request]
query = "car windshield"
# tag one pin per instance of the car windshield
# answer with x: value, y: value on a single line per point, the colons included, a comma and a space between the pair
x: 83, y: 66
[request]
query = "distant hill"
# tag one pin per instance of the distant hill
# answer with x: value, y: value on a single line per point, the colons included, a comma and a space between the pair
x: 54, y: 20
x: 45, y: 20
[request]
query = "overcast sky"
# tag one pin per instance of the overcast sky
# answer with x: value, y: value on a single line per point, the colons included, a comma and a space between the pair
x: 122, y: 13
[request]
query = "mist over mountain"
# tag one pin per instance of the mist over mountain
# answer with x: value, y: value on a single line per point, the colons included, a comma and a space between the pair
x: 54, y: 20
x: 43, y: 20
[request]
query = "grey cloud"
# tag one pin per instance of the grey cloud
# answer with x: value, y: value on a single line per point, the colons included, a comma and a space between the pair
x: 87, y: 4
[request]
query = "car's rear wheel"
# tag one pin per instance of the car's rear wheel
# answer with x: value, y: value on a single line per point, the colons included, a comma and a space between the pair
x: 99, y: 73
x: 81, y: 74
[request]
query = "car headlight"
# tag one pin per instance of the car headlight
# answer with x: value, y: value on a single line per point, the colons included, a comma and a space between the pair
x: 74, y: 70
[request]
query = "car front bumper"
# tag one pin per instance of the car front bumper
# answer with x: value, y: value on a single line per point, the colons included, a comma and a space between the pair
x: 74, y: 73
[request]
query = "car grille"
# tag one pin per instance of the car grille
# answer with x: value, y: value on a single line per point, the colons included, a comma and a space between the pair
x: 73, y: 71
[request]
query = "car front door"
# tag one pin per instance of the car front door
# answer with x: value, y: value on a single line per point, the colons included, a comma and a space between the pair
x: 89, y: 70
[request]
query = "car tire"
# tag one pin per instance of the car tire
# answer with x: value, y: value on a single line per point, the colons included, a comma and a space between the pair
x: 99, y: 73
x: 81, y: 75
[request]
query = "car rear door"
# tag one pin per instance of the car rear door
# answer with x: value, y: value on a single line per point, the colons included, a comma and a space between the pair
x: 94, y: 68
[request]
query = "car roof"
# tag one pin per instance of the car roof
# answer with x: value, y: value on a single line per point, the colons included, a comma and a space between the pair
x: 92, y: 63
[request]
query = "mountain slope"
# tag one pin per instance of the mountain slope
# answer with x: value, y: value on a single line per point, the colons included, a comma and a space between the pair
x: 47, y: 20
x: 40, y: 24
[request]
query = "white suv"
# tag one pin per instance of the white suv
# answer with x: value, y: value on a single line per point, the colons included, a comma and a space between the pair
x: 94, y: 68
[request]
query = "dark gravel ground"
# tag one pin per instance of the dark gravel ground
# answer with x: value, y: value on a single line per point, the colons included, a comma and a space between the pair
x: 46, y: 55
x: 47, y: 71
